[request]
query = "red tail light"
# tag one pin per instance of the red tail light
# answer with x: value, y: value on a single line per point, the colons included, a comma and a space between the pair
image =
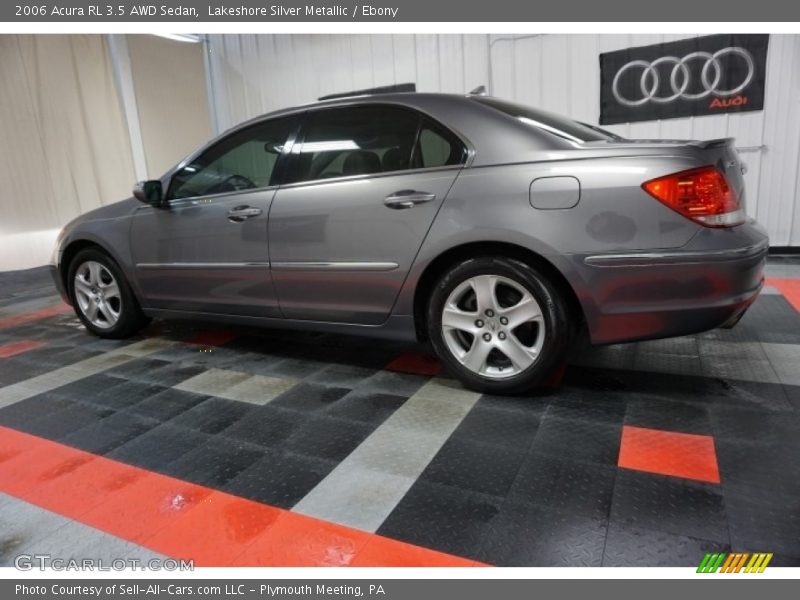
x: 701, y: 194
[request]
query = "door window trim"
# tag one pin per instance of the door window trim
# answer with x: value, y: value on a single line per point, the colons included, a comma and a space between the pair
x: 469, y: 151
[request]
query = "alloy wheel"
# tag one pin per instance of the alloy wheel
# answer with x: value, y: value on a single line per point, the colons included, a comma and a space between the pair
x: 493, y: 326
x: 97, y: 294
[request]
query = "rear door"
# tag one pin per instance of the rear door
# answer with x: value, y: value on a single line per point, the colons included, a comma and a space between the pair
x: 207, y: 250
x: 363, y: 186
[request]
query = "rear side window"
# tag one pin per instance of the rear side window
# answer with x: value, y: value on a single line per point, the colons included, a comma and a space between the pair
x: 437, y: 147
x: 244, y: 160
x: 547, y: 121
x: 367, y: 140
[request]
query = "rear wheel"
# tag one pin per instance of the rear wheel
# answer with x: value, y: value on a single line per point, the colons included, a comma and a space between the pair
x: 498, y: 325
x: 101, y: 296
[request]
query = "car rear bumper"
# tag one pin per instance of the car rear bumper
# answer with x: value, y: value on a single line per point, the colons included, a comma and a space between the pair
x: 646, y: 295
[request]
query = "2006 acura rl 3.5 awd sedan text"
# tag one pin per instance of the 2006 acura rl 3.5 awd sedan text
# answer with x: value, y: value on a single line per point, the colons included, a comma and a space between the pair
x: 496, y: 231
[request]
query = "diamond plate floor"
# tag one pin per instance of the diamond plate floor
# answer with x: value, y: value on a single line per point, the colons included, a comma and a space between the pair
x: 645, y: 454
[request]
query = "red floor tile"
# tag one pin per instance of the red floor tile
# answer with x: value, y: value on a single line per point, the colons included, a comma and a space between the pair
x: 21, y: 319
x: 216, y: 532
x: 416, y: 364
x: 382, y: 552
x: 212, y: 338
x: 295, y: 540
x: 142, y: 509
x: 184, y: 520
x: 668, y: 453
x: 790, y: 288
x: 14, y: 348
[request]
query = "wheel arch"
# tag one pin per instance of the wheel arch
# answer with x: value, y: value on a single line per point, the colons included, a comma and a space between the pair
x: 453, y: 256
x: 71, y: 250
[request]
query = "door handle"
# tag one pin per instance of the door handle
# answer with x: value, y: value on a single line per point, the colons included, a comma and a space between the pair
x: 407, y: 199
x: 242, y: 213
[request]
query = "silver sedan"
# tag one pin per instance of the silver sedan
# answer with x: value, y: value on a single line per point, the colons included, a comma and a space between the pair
x: 498, y: 232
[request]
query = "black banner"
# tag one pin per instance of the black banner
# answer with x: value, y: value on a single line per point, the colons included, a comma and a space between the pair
x: 699, y: 76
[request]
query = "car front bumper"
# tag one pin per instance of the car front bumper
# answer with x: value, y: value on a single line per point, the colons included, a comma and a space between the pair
x: 708, y: 283
x: 59, y: 283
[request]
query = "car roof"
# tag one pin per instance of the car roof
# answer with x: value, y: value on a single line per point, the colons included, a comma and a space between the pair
x: 492, y: 136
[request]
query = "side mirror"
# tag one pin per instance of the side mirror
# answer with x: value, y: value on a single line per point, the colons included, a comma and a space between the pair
x: 150, y: 192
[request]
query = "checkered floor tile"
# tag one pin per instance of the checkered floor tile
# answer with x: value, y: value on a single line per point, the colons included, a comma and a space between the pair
x: 642, y: 454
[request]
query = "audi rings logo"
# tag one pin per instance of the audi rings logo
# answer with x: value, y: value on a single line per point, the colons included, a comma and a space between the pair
x: 695, y: 76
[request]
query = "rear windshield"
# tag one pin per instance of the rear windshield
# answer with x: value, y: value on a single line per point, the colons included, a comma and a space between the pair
x: 550, y: 122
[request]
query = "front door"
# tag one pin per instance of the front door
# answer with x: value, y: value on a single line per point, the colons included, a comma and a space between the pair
x: 362, y: 190
x: 207, y: 250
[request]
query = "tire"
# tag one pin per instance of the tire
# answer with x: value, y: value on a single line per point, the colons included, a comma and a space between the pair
x: 506, y: 328
x: 90, y: 277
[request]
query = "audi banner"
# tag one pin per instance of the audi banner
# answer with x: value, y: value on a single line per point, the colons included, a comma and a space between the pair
x: 700, y: 76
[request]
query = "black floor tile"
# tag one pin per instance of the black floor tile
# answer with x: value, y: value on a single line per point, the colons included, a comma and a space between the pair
x: 61, y: 423
x: 167, y: 404
x: 513, y: 430
x: 367, y: 407
x: 279, y: 478
x: 660, y: 414
x: 94, y: 388
x: 607, y: 411
x: 628, y: 546
x: 669, y: 504
x: 309, y: 397
x: 705, y: 391
x: 213, y: 415
x: 16, y: 415
x: 215, y: 462
x: 443, y: 518
x: 784, y: 560
x: 582, y: 489
x: 578, y: 440
x: 772, y: 319
x: 267, y: 426
x: 762, y: 520
x: 474, y: 467
x: 327, y: 438
x: 772, y: 465
x: 109, y: 433
x: 756, y: 425
x: 525, y: 534
x: 118, y: 397
x: 13, y: 371
x: 55, y: 356
x: 158, y: 447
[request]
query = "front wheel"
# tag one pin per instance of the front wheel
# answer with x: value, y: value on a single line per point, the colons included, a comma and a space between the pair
x: 101, y: 296
x: 498, y: 325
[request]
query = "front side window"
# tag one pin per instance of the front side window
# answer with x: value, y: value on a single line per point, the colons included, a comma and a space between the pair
x: 244, y: 160
x: 368, y: 140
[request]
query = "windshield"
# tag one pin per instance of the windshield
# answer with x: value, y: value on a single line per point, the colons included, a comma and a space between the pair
x: 550, y: 122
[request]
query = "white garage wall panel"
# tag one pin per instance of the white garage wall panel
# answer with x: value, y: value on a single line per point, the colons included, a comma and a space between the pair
x: 250, y: 75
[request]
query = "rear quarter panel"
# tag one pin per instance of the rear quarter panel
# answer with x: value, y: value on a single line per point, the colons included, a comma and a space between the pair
x: 614, y: 214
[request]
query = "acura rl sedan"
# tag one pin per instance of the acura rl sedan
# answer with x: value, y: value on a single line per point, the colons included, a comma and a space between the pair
x: 497, y: 232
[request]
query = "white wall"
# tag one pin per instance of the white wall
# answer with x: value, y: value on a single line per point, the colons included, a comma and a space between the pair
x: 252, y: 74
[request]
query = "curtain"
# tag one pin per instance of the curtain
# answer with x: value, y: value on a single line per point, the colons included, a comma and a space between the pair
x: 64, y: 146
